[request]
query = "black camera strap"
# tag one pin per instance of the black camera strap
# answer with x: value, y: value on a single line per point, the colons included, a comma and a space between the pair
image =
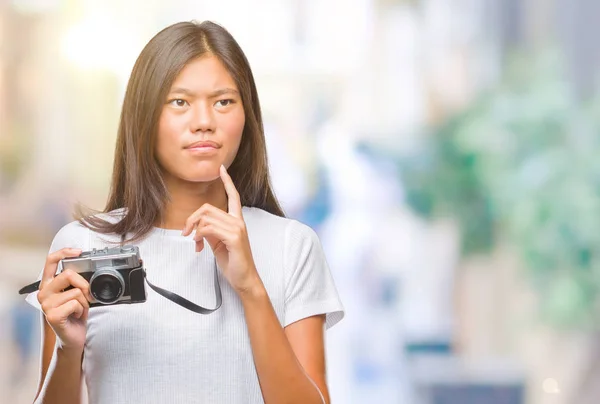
x: 175, y: 298
x: 183, y: 302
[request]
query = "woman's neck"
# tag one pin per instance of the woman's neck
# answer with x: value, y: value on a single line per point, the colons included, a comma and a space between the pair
x: 187, y: 197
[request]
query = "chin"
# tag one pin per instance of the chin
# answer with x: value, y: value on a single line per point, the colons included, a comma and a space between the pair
x: 203, y: 179
x: 202, y: 175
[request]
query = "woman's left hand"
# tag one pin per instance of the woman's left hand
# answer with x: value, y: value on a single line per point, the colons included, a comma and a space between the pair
x: 226, y: 234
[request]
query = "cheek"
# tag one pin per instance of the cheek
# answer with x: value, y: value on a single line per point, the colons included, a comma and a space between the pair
x: 233, y: 129
x: 167, y: 127
x: 166, y: 140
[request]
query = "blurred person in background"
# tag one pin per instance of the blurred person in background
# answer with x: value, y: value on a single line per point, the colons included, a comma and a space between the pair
x: 23, y: 325
x: 191, y: 167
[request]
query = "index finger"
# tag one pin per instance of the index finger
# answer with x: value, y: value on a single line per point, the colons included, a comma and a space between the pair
x: 67, y: 279
x: 233, y: 197
x: 52, y: 263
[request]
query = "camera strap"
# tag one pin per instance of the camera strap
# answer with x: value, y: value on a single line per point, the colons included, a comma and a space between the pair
x: 175, y: 298
x: 183, y: 302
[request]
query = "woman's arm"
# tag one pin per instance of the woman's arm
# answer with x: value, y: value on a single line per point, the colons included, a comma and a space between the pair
x: 288, y: 371
x: 62, y: 382
x: 48, y: 342
x: 60, y: 373
x: 290, y: 363
x: 64, y: 320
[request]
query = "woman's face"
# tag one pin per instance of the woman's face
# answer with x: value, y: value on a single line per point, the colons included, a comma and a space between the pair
x: 201, y: 123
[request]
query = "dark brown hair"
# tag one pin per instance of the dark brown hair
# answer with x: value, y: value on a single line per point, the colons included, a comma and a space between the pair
x: 137, y: 184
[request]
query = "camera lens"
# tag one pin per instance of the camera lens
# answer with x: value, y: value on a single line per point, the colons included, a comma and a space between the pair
x: 107, y: 285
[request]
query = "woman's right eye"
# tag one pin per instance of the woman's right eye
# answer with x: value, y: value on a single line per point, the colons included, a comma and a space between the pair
x: 178, y: 102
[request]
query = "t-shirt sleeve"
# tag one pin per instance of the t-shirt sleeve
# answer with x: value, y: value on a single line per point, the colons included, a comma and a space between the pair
x: 71, y: 235
x: 309, y: 288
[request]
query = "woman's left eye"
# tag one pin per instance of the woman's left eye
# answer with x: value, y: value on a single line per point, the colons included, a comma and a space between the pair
x: 224, y: 103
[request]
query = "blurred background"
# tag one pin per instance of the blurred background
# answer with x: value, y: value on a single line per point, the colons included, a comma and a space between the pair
x: 444, y: 150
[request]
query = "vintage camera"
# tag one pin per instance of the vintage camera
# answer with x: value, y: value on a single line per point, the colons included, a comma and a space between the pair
x: 115, y: 275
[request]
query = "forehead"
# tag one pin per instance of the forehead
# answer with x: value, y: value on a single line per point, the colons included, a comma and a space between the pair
x: 205, y: 73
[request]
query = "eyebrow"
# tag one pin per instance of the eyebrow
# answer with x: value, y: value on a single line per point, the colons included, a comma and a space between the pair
x: 216, y: 93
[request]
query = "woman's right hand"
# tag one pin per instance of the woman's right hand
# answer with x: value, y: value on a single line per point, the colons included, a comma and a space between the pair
x: 66, y: 311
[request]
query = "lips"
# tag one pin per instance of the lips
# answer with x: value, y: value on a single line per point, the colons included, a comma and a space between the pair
x: 205, y: 144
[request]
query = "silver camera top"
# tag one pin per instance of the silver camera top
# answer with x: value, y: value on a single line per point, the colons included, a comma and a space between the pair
x: 116, y: 258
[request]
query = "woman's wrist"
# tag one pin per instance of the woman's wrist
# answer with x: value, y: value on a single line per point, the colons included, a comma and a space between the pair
x: 69, y: 353
x: 254, y: 290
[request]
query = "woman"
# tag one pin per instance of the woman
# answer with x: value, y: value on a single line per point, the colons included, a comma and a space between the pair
x: 191, y: 170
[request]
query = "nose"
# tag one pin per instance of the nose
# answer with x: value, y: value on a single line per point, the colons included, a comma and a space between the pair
x: 202, y: 118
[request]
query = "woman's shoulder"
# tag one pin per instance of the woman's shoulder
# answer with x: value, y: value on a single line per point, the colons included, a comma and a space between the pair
x: 76, y: 229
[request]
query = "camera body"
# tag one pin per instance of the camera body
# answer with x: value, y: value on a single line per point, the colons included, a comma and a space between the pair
x: 115, y: 275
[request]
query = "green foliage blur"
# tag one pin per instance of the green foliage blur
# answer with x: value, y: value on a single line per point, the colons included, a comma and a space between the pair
x: 522, y: 165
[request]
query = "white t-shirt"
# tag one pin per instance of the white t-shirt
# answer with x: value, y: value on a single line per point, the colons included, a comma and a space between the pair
x: 160, y: 352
